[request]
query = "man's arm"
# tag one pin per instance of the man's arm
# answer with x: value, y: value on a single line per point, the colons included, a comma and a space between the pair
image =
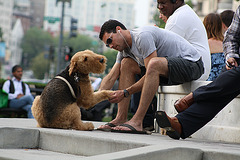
x: 231, y: 41
x: 136, y: 87
x: 109, y: 80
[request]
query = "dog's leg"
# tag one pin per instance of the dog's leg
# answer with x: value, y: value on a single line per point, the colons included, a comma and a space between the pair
x: 95, y: 98
x: 70, y: 118
x: 77, y: 122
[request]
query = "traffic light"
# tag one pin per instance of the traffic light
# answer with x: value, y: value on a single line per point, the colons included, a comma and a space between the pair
x: 68, y: 53
x: 73, y: 28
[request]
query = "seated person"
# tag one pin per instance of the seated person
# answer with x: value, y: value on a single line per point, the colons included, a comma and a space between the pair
x: 18, y: 92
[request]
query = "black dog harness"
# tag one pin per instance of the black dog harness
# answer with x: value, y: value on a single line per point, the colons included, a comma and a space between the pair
x: 69, y: 85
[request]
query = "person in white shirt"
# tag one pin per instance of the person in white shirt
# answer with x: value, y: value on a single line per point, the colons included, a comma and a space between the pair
x: 181, y: 19
x: 19, y: 94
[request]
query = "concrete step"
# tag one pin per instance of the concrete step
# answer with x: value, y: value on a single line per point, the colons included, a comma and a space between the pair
x: 21, y: 139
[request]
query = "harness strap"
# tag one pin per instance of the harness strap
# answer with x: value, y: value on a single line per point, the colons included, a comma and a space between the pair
x: 69, y: 85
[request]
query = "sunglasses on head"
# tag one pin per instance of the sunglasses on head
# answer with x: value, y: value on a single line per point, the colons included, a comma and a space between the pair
x: 109, y: 40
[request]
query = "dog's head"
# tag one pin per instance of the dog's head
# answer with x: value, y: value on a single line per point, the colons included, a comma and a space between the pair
x: 86, y: 62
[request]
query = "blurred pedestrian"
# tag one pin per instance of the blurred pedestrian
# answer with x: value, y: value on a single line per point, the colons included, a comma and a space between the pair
x: 213, y: 25
x: 226, y: 17
x: 182, y: 19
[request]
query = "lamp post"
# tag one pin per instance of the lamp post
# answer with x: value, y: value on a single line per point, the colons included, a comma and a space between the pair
x: 59, y: 57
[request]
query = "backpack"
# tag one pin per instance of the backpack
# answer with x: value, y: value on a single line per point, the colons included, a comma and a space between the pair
x: 3, y: 99
x: 4, y: 95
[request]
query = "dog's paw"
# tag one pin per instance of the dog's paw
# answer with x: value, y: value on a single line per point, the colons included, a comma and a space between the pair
x: 89, y: 126
x: 108, y: 93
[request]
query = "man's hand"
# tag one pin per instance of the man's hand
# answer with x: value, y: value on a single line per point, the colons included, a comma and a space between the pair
x: 231, y: 62
x: 19, y: 96
x: 117, y: 96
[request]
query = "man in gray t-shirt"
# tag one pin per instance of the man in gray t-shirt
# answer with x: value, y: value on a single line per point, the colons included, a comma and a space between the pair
x: 168, y: 58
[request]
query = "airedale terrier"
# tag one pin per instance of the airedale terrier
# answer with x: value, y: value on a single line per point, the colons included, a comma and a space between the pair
x: 59, y: 104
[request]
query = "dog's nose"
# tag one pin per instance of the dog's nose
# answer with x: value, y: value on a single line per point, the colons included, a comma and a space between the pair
x: 101, y: 60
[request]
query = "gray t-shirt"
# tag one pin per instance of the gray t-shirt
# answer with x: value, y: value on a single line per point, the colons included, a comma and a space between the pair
x: 145, y: 40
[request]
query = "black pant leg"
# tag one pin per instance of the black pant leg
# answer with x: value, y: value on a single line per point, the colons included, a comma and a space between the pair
x: 209, y: 100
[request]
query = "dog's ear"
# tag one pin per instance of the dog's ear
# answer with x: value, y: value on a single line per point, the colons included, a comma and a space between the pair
x: 72, y: 67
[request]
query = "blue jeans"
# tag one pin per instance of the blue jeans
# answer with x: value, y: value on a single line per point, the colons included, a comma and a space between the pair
x: 24, y: 102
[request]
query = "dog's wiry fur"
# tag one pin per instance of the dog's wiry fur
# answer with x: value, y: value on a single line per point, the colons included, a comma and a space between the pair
x: 57, y: 108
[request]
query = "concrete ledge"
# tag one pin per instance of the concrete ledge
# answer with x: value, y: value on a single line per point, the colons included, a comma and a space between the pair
x: 18, y: 138
x: 224, y: 127
x: 62, y: 144
x: 82, y: 144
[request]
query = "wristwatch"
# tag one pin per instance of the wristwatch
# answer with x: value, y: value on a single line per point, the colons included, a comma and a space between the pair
x: 126, y: 93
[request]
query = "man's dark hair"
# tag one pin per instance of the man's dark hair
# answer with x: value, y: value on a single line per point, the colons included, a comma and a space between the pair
x: 15, y: 68
x: 227, y: 17
x: 110, y: 26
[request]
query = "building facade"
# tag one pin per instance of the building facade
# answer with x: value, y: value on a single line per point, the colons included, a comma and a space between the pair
x: 91, y: 14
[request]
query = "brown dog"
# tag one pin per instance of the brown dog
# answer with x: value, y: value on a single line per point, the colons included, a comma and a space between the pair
x: 58, y: 105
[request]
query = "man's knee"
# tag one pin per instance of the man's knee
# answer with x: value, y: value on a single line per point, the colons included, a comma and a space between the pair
x: 157, y: 65
x: 129, y: 65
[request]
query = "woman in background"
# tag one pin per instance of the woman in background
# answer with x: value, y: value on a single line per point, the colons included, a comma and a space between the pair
x: 213, y: 25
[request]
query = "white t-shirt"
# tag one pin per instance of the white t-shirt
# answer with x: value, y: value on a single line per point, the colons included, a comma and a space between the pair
x: 147, y: 39
x: 186, y: 23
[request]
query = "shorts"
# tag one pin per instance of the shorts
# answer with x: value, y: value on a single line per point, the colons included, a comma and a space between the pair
x: 181, y: 70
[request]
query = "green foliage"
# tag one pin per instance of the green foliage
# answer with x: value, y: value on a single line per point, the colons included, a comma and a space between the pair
x: 159, y: 22
x: 111, y: 58
x: 34, y: 42
x: 189, y: 2
x: 40, y: 66
x: 80, y: 43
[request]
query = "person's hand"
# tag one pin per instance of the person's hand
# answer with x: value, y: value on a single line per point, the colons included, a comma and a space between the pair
x: 116, y: 96
x: 230, y: 63
x: 19, y: 96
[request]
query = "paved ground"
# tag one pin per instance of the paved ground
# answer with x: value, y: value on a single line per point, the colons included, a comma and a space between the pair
x: 21, y: 139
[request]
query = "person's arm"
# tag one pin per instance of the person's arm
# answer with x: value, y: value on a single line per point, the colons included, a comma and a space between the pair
x: 231, y: 41
x: 109, y: 80
x: 136, y: 87
x: 27, y: 91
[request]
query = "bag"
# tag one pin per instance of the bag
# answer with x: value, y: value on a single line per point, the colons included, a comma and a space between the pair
x: 3, y: 99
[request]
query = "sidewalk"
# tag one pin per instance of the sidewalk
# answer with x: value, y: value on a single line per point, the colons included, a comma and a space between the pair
x: 21, y: 139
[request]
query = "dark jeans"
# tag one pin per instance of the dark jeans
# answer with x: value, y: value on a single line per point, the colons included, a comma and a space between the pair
x: 209, y: 100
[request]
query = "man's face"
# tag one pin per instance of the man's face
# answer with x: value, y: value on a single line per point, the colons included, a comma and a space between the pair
x: 18, y: 73
x: 114, y: 40
x: 166, y: 7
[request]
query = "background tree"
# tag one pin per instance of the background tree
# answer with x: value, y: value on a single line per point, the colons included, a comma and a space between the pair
x: 34, y: 42
x: 111, y: 58
x: 40, y: 66
x: 81, y: 42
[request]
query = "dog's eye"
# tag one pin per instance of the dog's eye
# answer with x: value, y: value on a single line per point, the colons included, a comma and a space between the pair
x: 85, y: 59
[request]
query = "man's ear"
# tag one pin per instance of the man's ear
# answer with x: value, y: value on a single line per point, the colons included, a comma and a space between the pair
x: 118, y: 29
